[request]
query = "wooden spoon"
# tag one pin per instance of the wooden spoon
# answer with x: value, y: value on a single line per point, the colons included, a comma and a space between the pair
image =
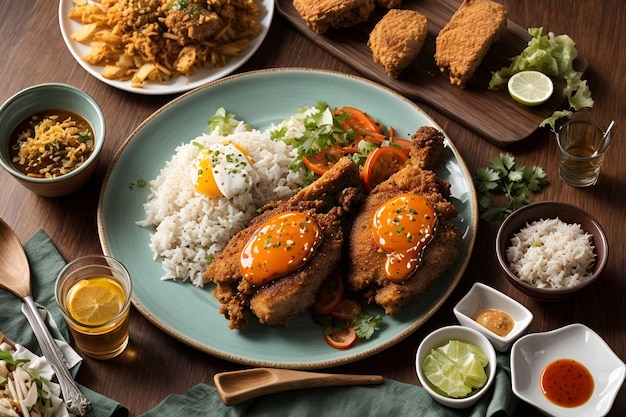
x: 15, y: 278
x: 238, y: 386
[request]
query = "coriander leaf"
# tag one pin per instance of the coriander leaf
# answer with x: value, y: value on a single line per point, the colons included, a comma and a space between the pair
x: 504, y: 176
x: 486, y: 179
x: 366, y: 324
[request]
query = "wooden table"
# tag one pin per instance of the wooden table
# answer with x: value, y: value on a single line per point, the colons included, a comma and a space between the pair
x: 156, y: 364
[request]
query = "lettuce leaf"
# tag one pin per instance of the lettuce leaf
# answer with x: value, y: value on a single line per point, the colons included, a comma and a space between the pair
x: 554, y: 56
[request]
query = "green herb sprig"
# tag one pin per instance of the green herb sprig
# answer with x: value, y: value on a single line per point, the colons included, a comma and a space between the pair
x: 365, y: 324
x: 504, y: 176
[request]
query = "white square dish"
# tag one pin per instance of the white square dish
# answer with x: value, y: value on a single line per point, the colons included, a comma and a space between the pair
x: 533, y: 352
x: 482, y: 297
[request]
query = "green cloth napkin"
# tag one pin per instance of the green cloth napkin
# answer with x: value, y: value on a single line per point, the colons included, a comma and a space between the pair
x: 392, y: 398
x: 45, y: 264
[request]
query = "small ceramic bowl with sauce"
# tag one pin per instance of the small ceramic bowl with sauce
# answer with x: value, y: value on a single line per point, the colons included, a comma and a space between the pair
x: 51, y: 136
x: 499, y: 317
x: 548, y: 242
x: 441, y: 337
x: 574, y: 355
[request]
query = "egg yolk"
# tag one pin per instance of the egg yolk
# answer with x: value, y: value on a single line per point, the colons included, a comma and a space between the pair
x: 222, y: 169
x: 284, y: 243
x: 402, y: 227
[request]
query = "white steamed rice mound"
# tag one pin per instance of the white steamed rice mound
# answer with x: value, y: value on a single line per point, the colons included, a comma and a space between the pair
x: 191, y: 228
x: 551, y: 254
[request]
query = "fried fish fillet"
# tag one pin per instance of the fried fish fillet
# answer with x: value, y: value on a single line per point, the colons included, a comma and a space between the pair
x: 277, y: 303
x: 464, y: 41
x: 366, y: 260
x: 397, y: 39
x: 320, y: 15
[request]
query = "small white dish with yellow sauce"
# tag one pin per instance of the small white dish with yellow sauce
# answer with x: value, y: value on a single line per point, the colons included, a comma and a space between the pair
x: 566, y: 372
x: 497, y: 316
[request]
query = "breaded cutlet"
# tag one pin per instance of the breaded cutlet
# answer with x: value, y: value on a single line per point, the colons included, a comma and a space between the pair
x: 329, y: 200
x: 366, y: 261
x: 320, y: 15
x: 464, y: 41
x: 397, y: 39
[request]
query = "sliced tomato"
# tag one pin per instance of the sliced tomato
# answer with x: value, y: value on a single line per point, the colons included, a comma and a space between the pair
x: 403, y: 144
x: 323, y: 160
x: 347, y: 309
x: 370, y: 135
x: 358, y: 119
x: 329, y: 295
x: 380, y: 164
x: 341, y: 339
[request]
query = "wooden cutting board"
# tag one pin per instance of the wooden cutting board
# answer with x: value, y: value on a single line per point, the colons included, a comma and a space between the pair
x: 493, y: 115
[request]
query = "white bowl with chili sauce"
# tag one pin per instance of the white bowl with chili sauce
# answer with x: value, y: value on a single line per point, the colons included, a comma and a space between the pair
x: 535, y: 355
x: 483, y: 300
x: 50, y: 98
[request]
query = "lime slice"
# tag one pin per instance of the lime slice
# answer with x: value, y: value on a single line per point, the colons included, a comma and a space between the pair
x: 456, y: 368
x: 446, y: 378
x: 530, y: 88
x: 475, y: 375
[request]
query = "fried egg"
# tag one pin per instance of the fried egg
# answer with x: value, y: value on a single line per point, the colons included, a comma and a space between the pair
x: 222, y: 170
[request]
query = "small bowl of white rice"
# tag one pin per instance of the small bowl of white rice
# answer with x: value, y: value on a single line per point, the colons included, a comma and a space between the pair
x: 550, y: 250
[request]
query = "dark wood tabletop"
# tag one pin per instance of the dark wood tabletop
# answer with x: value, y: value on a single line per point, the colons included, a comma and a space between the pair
x: 156, y: 364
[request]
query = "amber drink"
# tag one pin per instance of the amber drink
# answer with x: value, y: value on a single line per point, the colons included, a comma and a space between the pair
x: 94, y: 295
x: 581, y: 150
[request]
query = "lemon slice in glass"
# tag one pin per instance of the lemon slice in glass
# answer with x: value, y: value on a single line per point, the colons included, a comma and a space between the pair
x: 530, y: 88
x: 94, y: 301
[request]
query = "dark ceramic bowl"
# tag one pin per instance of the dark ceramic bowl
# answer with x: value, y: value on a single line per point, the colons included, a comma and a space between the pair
x: 550, y: 210
x: 37, y: 98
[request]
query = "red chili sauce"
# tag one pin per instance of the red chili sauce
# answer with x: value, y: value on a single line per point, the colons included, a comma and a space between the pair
x: 567, y: 383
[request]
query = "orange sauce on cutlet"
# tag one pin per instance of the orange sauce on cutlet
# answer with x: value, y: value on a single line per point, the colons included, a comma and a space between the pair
x: 283, y: 244
x: 403, y: 226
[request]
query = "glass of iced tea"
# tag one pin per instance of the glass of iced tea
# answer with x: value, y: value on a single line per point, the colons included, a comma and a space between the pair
x: 94, y: 294
x: 582, y: 146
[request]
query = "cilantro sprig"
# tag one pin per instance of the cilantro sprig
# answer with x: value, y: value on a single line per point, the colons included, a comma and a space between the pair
x: 322, y: 129
x: 365, y: 324
x: 504, y: 176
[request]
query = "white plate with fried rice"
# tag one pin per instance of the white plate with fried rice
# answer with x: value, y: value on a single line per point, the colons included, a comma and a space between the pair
x: 175, y: 85
x: 260, y: 98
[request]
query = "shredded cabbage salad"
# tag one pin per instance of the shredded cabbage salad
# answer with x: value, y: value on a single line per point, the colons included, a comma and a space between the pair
x: 25, y: 385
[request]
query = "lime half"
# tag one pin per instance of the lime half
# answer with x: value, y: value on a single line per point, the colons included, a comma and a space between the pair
x: 530, y: 88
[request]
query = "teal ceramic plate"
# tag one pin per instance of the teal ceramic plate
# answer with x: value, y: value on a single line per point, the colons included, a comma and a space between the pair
x: 260, y: 98
x: 176, y: 85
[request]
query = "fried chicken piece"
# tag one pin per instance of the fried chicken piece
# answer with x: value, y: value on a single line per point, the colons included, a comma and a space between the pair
x: 367, y: 261
x: 320, y: 15
x: 328, y: 200
x: 397, y: 39
x: 463, y: 43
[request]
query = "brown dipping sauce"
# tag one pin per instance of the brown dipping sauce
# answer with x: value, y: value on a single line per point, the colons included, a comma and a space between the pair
x: 567, y: 383
x: 495, y: 320
x: 63, y: 145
